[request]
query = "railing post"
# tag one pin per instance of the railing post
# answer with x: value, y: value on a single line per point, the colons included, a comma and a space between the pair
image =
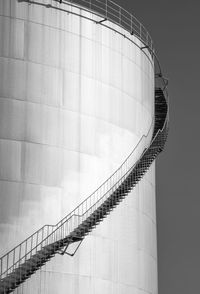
x: 42, y: 237
x: 37, y: 239
x: 14, y: 257
x: 19, y: 251
x: 47, y: 235
x: 31, y: 245
x: 62, y: 230
x: 106, y: 9
x: 25, y: 249
x: 131, y: 24
x: 7, y: 263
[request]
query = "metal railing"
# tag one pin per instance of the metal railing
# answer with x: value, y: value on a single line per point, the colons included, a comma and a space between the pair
x: 49, y: 234
x: 113, y: 12
x: 108, y: 11
x: 40, y: 254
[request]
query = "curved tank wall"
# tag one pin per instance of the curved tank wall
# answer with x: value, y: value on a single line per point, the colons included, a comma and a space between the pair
x: 75, y: 99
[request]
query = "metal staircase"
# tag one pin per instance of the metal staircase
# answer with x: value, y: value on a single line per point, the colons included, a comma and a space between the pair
x: 26, y: 258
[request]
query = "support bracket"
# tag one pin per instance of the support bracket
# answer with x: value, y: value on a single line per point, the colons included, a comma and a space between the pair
x: 99, y: 22
x: 62, y: 252
x: 145, y: 47
x: 158, y: 75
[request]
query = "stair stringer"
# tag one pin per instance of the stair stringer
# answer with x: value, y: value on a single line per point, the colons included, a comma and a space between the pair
x: 26, y: 258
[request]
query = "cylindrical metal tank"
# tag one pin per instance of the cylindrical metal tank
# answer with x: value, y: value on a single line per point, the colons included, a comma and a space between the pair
x: 76, y: 97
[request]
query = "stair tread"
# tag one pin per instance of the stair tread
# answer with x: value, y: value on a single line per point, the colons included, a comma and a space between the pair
x: 12, y: 280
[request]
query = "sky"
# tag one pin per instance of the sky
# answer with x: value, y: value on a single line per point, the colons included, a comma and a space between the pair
x: 175, y: 29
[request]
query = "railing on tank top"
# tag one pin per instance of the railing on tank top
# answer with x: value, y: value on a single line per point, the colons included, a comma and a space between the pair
x: 113, y: 12
x: 107, y: 10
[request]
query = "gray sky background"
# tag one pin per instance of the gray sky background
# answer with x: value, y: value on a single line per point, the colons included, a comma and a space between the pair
x: 175, y: 29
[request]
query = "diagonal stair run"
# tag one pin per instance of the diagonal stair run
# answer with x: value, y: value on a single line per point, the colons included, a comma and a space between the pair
x: 26, y: 258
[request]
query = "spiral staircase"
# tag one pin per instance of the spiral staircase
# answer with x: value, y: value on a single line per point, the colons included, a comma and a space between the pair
x: 25, y: 259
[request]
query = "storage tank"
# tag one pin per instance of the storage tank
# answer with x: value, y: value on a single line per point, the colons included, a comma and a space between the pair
x: 76, y: 97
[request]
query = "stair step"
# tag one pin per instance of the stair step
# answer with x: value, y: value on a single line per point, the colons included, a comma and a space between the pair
x: 20, y: 274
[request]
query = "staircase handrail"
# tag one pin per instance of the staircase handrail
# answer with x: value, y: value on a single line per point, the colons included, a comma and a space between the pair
x: 72, y: 214
x: 85, y: 213
x: 76, y: 211
x: 78, y: 208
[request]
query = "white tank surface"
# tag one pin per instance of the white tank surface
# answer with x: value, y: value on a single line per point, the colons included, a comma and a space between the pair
x: 76, y: 97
